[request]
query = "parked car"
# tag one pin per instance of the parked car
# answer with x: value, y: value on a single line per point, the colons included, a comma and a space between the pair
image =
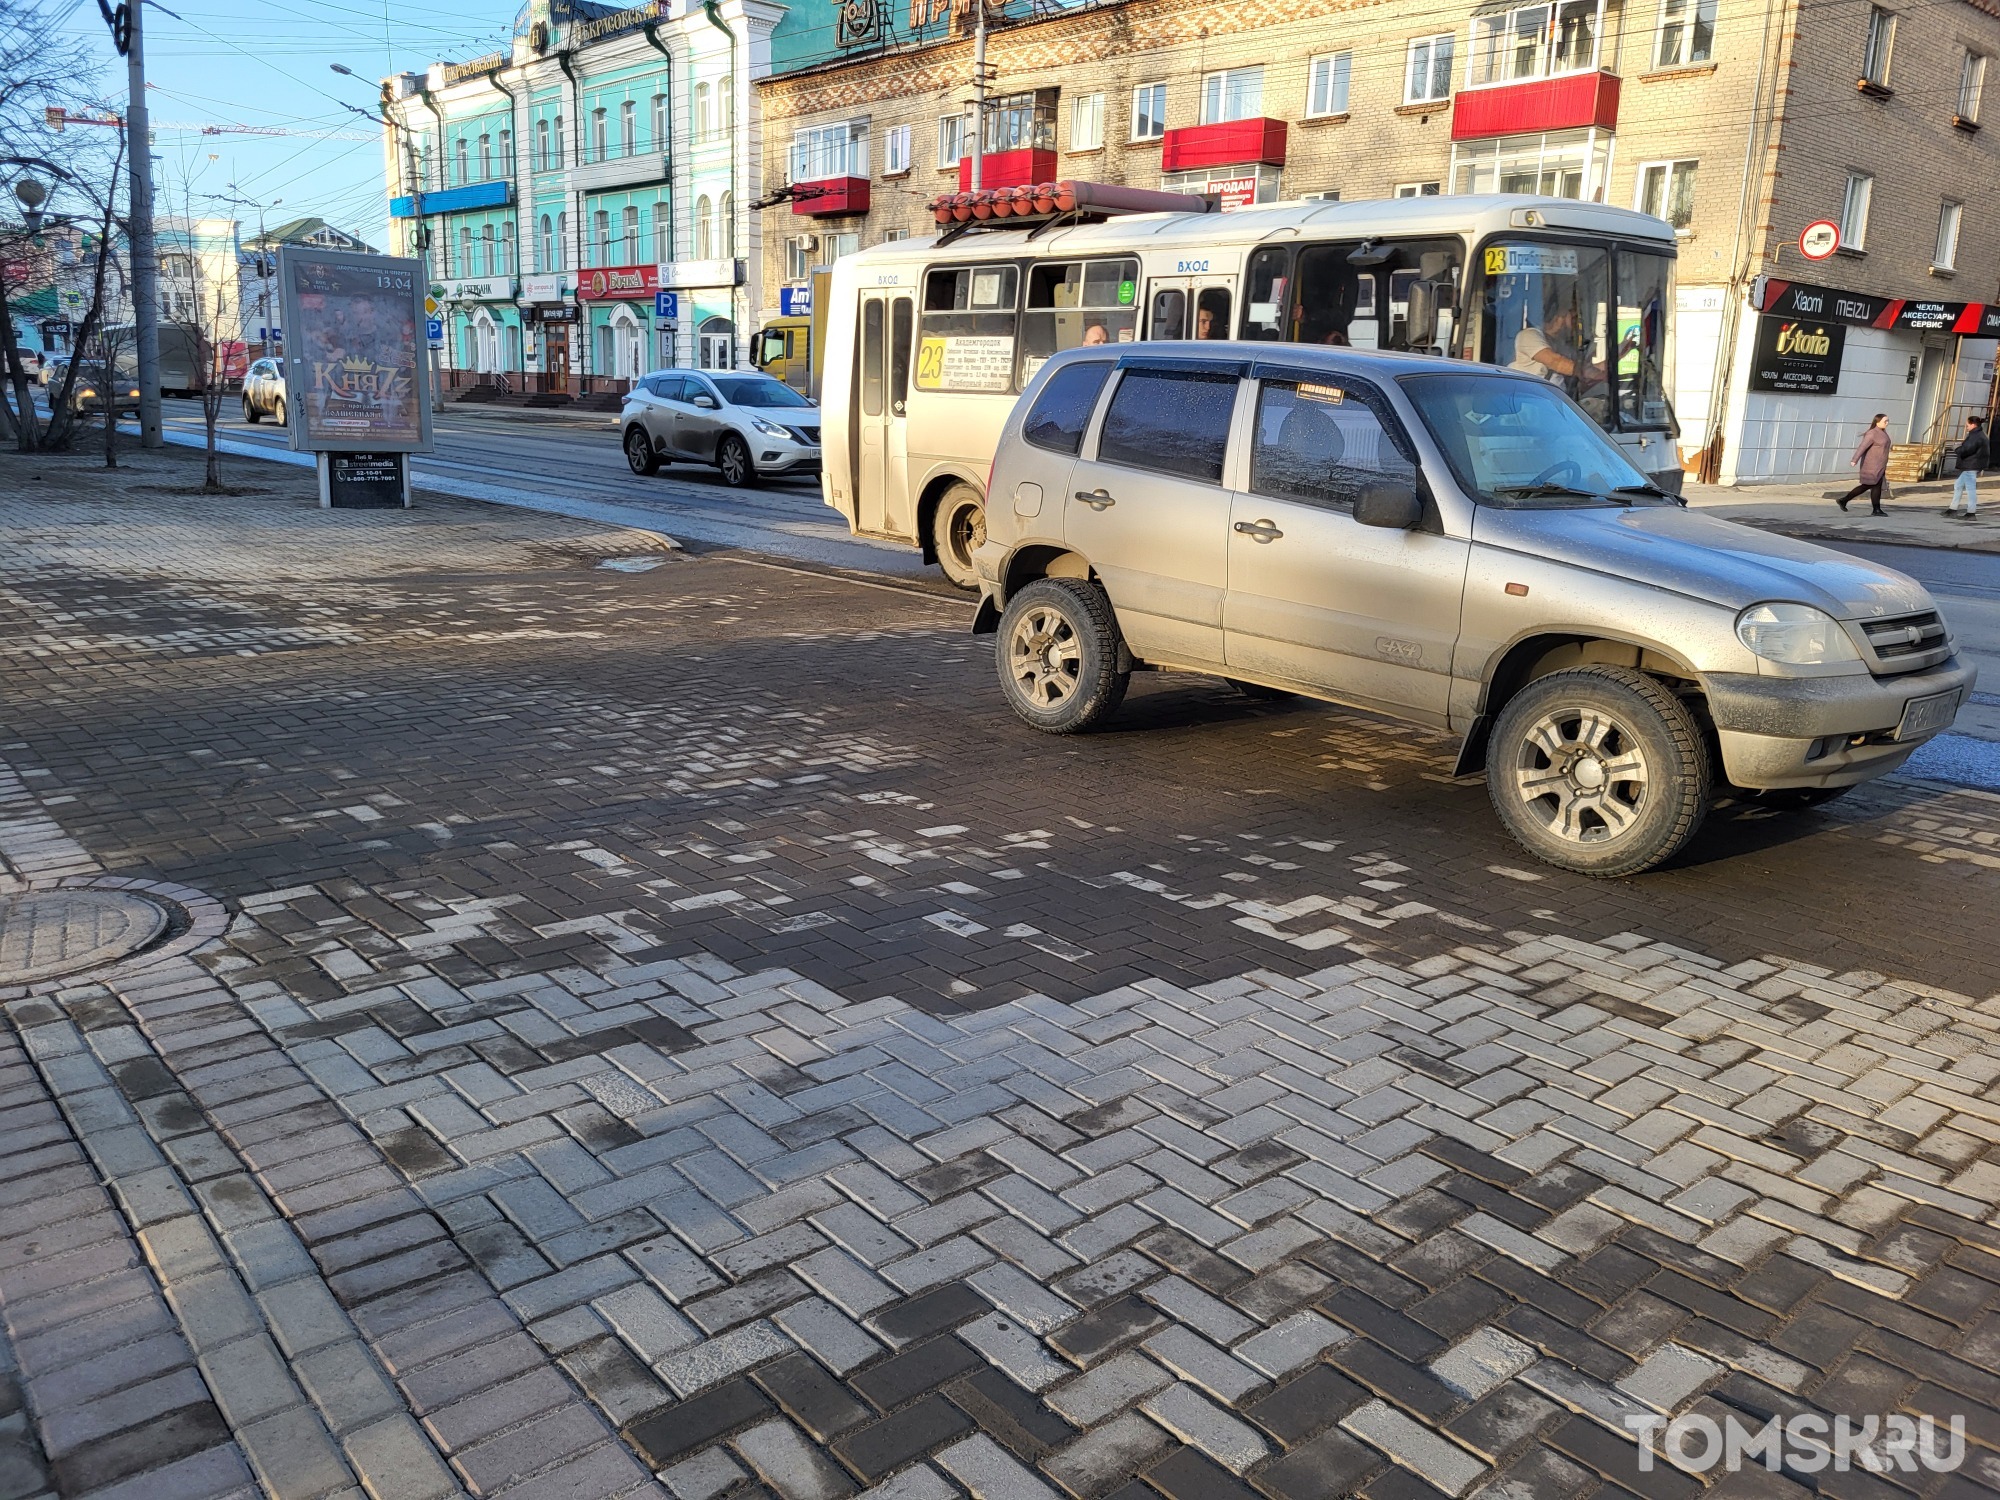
x: 750, y: 427
x: 264, y: 391
x: 1459, y: 547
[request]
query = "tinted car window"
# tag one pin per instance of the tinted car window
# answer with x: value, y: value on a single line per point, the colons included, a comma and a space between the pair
x: 1323, y: 442
x: 1171, y: 422
x: 1063, y: 409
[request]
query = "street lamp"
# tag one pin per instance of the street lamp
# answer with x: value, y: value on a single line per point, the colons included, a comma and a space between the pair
x: 32, y: 196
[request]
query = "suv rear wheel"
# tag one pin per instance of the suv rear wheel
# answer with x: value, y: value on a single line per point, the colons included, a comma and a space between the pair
x: 1600, y: 770
x: 639, y: 451
x: 958, y: 529
x: 1058, y: 655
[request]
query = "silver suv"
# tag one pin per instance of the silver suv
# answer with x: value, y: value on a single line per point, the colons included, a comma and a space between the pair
x: 1457, y: 546
x: 749, y: 426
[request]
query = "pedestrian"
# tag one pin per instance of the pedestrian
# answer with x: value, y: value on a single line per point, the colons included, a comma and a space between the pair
x: 1871, y: 462
x: 1972, y: 454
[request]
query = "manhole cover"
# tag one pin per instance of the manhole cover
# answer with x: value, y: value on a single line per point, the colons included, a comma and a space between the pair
x: 46, y: 934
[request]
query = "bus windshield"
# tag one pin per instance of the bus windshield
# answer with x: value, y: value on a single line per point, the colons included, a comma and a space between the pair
x: 1586, y: 319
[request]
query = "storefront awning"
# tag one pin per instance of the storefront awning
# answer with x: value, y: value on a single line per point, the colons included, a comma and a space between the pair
x: 1800, y: 299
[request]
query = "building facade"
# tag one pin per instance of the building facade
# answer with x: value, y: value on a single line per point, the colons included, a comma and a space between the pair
x: 1741, y: 122
x: 580, y: 197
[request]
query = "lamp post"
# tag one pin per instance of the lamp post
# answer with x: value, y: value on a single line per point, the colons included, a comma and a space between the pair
x: 32, y: 195
x: 410, y: 172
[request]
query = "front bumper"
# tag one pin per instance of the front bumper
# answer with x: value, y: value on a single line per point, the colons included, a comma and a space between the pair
x: 786, y: 458
x: 1822, y: 731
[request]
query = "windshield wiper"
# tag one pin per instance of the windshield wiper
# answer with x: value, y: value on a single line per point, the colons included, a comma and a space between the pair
x: 1538, y: 491
x: 1647, y: 489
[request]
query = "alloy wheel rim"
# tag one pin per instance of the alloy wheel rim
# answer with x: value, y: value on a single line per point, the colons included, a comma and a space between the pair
x: 732, y: 463
x: 635, y: 450
x: 1045, y: 657
x: 1582, y: 775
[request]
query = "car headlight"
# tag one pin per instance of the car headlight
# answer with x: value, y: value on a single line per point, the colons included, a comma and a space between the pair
x: 769, y: 429
x: 1796, y: 634
x: 85, y: 394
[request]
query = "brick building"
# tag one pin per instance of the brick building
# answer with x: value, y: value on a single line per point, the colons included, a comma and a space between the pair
x: 1740, y: 121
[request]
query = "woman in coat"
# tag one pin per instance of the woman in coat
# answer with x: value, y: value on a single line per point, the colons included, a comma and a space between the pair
x: 1871, y: 462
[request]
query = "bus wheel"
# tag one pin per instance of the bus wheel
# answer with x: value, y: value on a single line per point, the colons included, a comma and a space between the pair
x: 958, y: 529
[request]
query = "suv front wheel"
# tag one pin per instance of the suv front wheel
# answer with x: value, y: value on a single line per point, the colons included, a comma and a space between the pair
x: 1058, y: 655
x: 1600, y: 770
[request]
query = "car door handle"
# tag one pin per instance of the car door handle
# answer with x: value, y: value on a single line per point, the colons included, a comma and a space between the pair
x: 1095, y: 499
x: 1263, y: 531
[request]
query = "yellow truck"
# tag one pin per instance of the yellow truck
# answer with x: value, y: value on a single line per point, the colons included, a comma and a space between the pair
x: 788, y: 347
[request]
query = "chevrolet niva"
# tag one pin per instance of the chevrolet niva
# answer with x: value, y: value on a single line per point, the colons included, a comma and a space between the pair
x: 1453, y: 545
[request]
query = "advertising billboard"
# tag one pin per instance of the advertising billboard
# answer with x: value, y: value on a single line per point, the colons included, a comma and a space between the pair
x: 356, y: 377
x: 1797, y: 355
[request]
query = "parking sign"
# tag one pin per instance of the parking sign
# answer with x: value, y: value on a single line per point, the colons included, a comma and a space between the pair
x: 434, y: 332
x: 667, y: 305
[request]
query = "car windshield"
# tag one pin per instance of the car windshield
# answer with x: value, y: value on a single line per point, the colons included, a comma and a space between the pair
x: 757, y: 390
x: 1523, y: 444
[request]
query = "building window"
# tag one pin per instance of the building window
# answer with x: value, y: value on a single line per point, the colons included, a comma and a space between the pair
x: 833, y: 246
x: 824, y: 151
x: 600, y: 129
x: 1086, y: 122
x: 1686, y: 35
x: 1021, y: 122
x: 545, y: 255
x: 489, y: 252
x: 1971, y: 83
x: 542, y: 162
x: 1556, y: 163
x: 1881, y: 42
x: 1947, y: 237
x: 663, y: 232
x: 600, y: 242
x: 704, y: 110
x: 1149, y: 111
x: 799, y: 257
x: 951, y: 140
x: 1414, y: 190
x: 895, y: 150
x: 659, y: 122
x: 465, y: 252
x: 486, y: 158
x: 1237, y: 94
x: 464, y: 164
x: 891, y: 236
x: 1854, y: 211
x: 628, y: 243
x: 628, y: 128
x: 1666, y: 191
x: 1534, y: 41
x: 1427, y: 78
x: 562, y: 240
x: 704, y: 228
x: 505, y: 265
x: 1326, y: 84
x: 562, y: 151
x: 506, y: 153
x: 725, y: 225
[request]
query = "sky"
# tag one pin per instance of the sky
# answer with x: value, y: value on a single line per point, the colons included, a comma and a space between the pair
x: 268, y: 63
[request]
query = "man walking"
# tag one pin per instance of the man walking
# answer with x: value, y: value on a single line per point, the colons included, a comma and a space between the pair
x: 1972, y: 454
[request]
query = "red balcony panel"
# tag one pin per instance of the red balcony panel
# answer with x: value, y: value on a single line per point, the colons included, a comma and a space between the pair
x: 831, y: 195
x: 1023, y: 168
x: 1569, y: 103
x: 1223, y: 145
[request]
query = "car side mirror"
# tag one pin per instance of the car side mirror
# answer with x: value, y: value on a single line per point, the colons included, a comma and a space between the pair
x: 706, y: 402
x: 1395, y: 507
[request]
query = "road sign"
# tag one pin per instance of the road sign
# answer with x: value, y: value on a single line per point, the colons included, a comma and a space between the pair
x: 434, y: 332
x: 667, y: 305
x: 430, y: 307
x: 1819, y: 239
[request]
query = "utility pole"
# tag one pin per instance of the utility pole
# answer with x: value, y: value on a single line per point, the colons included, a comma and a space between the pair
x: 145, y: 263
x: 978, y: 94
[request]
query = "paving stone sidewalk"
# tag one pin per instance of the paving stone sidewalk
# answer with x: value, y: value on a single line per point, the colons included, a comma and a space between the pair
x: 666, y: 1033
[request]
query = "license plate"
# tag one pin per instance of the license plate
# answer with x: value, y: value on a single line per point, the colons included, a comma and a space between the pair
x: 1927, y: 715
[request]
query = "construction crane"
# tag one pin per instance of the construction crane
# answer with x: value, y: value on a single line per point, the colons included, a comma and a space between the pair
x: 57, y: 118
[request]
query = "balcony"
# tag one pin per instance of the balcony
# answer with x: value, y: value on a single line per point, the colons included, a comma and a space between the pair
x: 620, y: 171
x: 1574, y: 101
x: 1228, y: 143
x: 824, y: 197
x: 1019, y: 168
x: 496, y: 194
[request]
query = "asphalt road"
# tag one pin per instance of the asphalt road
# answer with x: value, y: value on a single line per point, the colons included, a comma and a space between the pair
x: 502, y: 456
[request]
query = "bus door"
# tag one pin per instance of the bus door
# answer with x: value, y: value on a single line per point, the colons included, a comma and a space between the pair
x: 882, y: 483
x: 1189, y: 307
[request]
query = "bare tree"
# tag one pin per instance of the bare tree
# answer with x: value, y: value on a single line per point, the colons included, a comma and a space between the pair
x: 206, y: 319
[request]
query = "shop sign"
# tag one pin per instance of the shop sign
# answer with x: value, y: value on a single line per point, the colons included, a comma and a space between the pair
x: 1796, y: 299
x: 546, y: 288
x: 1929, y: 317
x: 493, y: 62
x: 794, y: 301
x: 1797, y: 355
x: 474, y: 289
x: 565, y: 313
x: 1234, y: 192
x: 603, y: 26
x: 688, y: 275
x: 611, y: 283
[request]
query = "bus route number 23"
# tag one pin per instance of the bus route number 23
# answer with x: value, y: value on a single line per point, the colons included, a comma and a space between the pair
x: 930, y: 363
